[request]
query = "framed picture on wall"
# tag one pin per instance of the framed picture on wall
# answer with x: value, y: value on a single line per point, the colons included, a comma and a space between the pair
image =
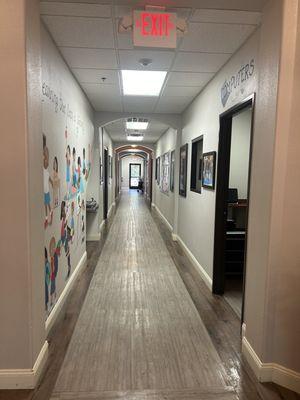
x: 183, y: 169
x: 110, y: 167
x: 158, y: 170
x: 209, y: 170
x: 172, y: 171
x: 165, y: 176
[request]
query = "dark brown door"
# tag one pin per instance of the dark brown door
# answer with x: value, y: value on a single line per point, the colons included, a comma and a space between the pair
x: 105, y: 184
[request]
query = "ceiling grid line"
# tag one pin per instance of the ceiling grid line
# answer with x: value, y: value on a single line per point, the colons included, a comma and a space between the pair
x: 86, y: 34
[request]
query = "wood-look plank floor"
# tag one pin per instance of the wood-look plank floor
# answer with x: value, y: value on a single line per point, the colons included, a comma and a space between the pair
x: 139, y: 333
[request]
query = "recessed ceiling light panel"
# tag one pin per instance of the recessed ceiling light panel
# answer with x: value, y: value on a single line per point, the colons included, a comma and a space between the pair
x: 142, y: 83
x: 137, y: 124
x: 135, y: 138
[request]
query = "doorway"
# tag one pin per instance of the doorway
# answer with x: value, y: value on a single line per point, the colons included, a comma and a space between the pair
x: 105, y: 183
x: 134, y: 175
x: 232, y: 204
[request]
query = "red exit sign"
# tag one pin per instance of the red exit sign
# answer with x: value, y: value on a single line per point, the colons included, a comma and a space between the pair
x: 154, y: 29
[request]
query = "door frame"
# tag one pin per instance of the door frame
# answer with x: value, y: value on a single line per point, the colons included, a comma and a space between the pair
x: 218, y: 285
x: 105, y: 182
x: 140, y: 169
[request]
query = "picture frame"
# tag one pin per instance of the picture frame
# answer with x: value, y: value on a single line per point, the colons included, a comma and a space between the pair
x: 110, y: 167
x: 183, y: 170
x: 172, y: 171
x: 209, y: 170
x: 165, y: 173
x: 158, y: 170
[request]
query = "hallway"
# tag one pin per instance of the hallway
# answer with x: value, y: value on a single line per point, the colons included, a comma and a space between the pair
x: 139, y: 334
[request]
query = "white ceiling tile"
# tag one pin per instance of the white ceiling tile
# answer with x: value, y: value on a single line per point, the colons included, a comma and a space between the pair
x: 122, y: 10
x: 226, y: 16
x: 103, y: 91
x: 81, y: 32
x: 181, y: 91
x: 253, y: 5
x: 112, y: 105
x: 77, y: 10
x: 182, y: 12
x: 199, y: 62
x: 173, y: 105
x: 117, y: 130
x: 125, y: 41
x: 216, y: 38
x: 189, y: 79
x: 104, y: 97
x: 161, y: 60
x: 87, y: 75
x: 139, y: 104
x: 90, y: 58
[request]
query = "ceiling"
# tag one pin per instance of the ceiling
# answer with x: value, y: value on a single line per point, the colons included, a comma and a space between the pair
x: 117, y: 131
x: 86, y: 32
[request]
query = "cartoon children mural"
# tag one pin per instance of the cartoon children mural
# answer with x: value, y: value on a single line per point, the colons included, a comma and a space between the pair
x: 82, y: 221
x: 65, y: 235
x: 56, y: 183
x: 63, y: 219
x: 54, y: 252
x: 47, y: 181
x: 67, y: 251
x: 72, y: 221
x: 72, y: 211
x: 68, y: 171
x: 83, y: 163
x: 47, y: 280
x: 80, y: 180
x: 74, y: 175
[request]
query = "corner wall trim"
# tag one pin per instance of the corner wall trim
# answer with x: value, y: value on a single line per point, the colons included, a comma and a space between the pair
x: 169, y: 226
x: 270, y: 372
x: 204, y: 275
x: 24, y: 378
x: 63, y: 297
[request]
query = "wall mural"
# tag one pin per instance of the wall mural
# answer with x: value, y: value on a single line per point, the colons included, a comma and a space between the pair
x: 67, y: 165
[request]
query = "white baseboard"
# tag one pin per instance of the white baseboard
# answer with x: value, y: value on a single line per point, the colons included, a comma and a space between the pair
x: 243, y: 329
x: 169, y: 226
x: 174, y: 237
x: 204, y: 275
x: 270, y: 372
x: 110, y: 209
x: 24, y: 378
x: 63, y: 297
x: 94, y: 237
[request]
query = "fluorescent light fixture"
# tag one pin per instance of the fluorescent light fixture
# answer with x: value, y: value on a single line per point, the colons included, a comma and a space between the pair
x: 142, y: 83
x: 136, y: 125
x: 135, y: 138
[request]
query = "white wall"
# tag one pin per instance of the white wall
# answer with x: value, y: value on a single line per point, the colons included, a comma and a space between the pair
x: 95, y: 188
x: 197, y: 211
x: 125, y: 161
x: 67, y: 120
x: 93, y: 220
x: 107, y: 142
x: 240, y: 152
x: 272, y: 282
x: 22, y: 332
x: 165, y: 202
